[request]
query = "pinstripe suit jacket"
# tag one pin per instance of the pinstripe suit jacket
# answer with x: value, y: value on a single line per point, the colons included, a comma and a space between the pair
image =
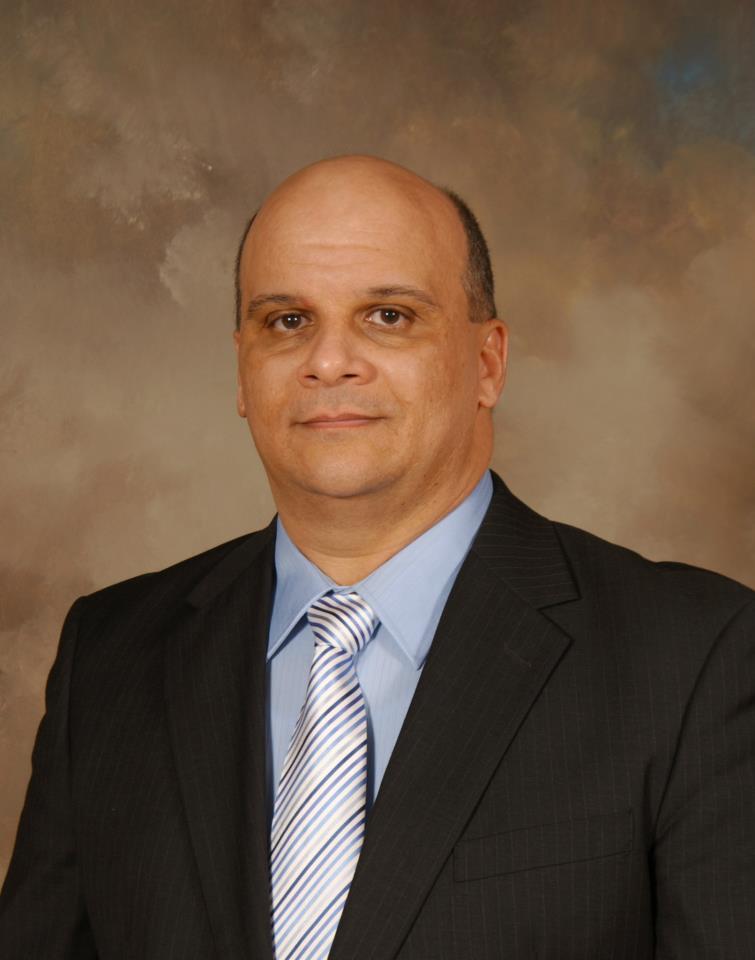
x: 574, y: 778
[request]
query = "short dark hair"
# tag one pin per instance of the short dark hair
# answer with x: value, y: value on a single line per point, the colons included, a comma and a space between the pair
x: 478, y: 273
x: 237, y: 267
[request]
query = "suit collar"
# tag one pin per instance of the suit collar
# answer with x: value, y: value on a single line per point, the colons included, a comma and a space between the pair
x: 523, y: 549
x: 519, y: 545
x: 233, y: 564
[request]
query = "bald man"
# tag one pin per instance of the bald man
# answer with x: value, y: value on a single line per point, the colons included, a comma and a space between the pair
x: 410, y: 718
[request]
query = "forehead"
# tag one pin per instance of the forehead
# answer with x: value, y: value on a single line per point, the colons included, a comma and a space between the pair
x: 364, y: 231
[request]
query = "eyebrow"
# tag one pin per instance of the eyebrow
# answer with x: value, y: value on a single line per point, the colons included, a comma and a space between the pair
x: 282, y: 298
x: 384, y: 293
x: 399, y: 291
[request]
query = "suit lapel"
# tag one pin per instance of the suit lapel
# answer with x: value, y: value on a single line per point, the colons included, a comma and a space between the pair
x: 215, y: 685
x: 491, y: 655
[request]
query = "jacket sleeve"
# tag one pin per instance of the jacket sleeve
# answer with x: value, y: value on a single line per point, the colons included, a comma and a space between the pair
x: 704, y: 855
x: 42, y: 913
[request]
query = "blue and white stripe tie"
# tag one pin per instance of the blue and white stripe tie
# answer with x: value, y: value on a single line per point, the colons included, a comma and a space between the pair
x: 320, y: 805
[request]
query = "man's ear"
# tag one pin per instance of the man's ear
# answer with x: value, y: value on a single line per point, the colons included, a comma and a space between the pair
x: 240, y: 405
x: 492, y: 363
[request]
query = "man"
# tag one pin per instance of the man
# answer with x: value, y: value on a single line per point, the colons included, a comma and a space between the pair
x: 411, y: 718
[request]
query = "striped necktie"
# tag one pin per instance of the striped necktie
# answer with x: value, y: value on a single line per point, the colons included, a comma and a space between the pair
x: 320, y: 804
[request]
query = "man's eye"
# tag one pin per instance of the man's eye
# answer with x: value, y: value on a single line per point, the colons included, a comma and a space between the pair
x: 288, y: 321
x: 387, y: 317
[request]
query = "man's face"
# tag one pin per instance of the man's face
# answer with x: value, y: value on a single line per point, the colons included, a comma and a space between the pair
x: 359, y: 367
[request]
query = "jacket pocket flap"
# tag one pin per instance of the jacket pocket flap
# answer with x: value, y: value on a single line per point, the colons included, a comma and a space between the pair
x: 547, y: 845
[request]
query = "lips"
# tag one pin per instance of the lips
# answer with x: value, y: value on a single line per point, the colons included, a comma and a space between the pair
x: 338, y: 417
x: 344, y: 418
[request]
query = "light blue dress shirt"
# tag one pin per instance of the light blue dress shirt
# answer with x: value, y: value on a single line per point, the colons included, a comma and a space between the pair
x: 408, y: 593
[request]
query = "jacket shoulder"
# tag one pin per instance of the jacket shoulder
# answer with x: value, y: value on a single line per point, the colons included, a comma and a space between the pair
x: 606, y: 570
x: 174, y: 583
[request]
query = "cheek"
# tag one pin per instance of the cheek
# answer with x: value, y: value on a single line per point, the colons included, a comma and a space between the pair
x: 429, y: 384
x: 408, y: 376
x: 263, y: 386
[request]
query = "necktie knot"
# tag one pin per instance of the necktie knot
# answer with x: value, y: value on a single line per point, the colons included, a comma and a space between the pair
x: 344, y: 621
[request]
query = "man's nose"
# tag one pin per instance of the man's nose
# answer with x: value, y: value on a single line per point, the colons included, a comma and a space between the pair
x: 334, y: 356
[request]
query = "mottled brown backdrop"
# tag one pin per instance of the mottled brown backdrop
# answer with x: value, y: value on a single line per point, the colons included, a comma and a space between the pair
x: 607, y: 146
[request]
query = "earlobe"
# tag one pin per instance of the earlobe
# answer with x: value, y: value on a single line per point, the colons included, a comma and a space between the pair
x: 240, y: 405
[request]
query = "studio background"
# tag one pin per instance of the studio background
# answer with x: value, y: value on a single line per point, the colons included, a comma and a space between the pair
x: 607, y: 147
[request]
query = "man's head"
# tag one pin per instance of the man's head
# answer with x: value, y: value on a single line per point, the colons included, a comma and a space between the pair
x: 359, y: 371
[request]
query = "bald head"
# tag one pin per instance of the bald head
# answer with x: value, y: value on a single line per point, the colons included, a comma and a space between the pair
x: 340, y: 190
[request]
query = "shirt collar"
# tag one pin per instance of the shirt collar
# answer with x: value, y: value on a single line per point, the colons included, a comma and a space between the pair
x: 407, y: 592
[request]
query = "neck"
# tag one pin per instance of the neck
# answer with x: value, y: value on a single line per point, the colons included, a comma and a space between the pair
x: 348, y: 538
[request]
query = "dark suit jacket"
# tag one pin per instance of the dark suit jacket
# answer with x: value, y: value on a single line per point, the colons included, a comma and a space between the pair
x: 574, y: 778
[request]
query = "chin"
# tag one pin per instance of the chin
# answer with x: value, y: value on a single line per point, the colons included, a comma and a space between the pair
x: 343, y: 480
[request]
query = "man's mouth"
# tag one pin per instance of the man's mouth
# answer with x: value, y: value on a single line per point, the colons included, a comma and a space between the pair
x: 334, y: 421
